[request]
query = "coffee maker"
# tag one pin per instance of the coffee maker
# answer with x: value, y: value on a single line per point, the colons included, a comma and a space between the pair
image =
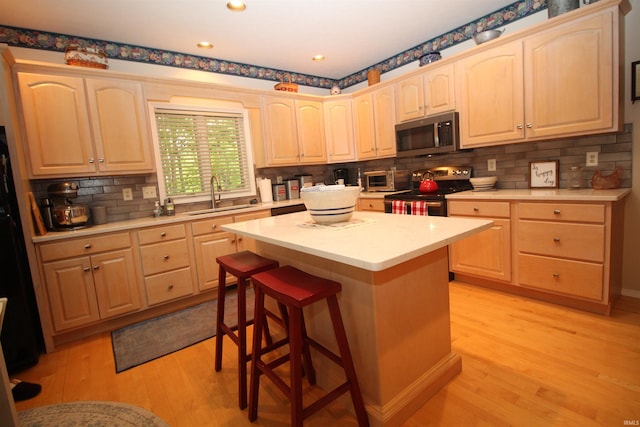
x: 341, y: 173
x: 62, y: 213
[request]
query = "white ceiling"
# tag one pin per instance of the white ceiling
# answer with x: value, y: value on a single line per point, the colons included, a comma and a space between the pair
x: 282, y: 34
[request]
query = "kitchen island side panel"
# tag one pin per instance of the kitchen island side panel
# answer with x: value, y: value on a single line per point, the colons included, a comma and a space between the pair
x: 398, y: 326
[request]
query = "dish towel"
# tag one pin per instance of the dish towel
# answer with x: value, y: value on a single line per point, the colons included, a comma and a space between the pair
x: 398, y: 207
x: 419, y: 208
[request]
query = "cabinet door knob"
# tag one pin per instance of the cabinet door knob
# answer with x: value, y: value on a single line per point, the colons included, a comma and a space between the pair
x: 101, y: 160
x: 214, y: 225
x: 163, y: 234
x: 170, y: 286
x: 556, y: 275
x: 529, y: 125
x: 86, y: 269
x: 476, y: 209
x: 96, y: 267
x: 166, y: 257
x: 91, y: 160
x: 519, y: 126
x: 556, y: 211
x: 87, y: 246
x: 556, y: 239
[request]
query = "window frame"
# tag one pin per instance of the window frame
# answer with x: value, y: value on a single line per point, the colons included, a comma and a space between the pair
x: 205, y: 110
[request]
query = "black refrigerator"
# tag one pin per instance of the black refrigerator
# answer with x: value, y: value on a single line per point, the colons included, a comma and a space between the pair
x: 21, y: 335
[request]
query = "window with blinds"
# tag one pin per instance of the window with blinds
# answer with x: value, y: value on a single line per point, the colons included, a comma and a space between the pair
x: 195, y: 145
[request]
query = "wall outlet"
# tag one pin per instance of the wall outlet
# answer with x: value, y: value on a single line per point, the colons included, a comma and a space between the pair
x: 127, y: 194
x: 592, y: 158
x: 149, y: 192
x: 491, y: 165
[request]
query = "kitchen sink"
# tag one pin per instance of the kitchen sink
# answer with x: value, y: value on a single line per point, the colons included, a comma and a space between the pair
x: 220, y: 209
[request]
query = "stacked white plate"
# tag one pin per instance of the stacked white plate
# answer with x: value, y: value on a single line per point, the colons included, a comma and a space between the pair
x: 484, y: 183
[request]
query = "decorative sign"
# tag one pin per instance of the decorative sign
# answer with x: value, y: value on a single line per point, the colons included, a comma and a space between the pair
x: 543, y: 174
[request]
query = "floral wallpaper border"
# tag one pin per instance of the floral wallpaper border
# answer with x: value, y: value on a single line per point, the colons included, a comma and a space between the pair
x: 35, y: 39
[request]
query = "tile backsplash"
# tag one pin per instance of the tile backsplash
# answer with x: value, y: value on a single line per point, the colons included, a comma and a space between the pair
x: 512, y: 168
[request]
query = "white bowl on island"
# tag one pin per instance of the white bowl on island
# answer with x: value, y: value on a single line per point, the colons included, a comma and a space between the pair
x: 329, y: 204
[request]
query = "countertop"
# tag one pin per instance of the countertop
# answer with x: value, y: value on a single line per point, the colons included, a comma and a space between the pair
x: 371, y: 240
x: 151, y: 221
x: 585, y: 195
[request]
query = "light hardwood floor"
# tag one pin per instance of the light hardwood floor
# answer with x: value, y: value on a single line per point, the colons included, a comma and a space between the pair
x: 525, y: 363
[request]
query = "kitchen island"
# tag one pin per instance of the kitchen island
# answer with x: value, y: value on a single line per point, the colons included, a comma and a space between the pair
x: 394, y: 300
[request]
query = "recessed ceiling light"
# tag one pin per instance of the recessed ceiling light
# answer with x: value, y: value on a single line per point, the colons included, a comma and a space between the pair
x: 318, y: 58
x: 236, y: 5
x: 205, y: 45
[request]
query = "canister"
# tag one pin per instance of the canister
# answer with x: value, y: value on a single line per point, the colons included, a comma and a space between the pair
x: 293, y: 188
x: 279, y: 192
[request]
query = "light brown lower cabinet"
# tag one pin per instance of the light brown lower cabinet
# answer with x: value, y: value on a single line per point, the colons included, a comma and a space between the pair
x: 90, y: 279
x: 486, y: 254
x: 165, y: 263
x: 566, y: 252
x: 367, y: 204
x: 210, y: 242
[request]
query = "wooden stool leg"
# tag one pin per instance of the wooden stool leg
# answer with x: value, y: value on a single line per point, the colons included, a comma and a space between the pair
x: 242, y: 342
x: 347, y: 361
x: 295, y: 352
x: 256, y: 354
x: 308, y: 370
x: 222, y: 283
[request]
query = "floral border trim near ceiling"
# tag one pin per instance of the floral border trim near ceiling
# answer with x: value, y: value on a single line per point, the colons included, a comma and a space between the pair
x: 34, y: 39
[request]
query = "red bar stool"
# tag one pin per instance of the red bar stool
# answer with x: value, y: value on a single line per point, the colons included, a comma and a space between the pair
x: 296, y: 290
x: 241, y: 265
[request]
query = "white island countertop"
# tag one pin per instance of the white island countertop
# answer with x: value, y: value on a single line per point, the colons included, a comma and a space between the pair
x: 370, y: 240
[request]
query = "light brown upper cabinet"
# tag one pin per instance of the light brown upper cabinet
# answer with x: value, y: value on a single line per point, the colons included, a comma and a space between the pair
x: 77, y: 126
x: 338, y: 119
x: 425, y: 94
x: 374, y: 117
x: 293, y: 131
x: 560, y: 82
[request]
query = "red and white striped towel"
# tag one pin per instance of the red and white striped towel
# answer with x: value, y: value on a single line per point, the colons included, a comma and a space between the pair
x: 419, y: 208
x: 398, y: 207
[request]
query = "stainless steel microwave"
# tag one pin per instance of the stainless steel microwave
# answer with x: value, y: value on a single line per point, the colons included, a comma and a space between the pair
x: 431, y: 135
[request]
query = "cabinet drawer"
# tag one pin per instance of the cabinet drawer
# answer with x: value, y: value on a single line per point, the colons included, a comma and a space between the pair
x: 562, y: 212
x: 167, y: 286
x: 480, y: 208
x: 576, y: 278
x: 577, y: 241
x: 84, y: 246
x: 251, y: 215
x: 211, y: 225
x: 164, y: 256
x: 371, y: 205
x: 161, y: 234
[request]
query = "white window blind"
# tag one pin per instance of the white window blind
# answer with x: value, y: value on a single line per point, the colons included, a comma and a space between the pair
x: 196, y: 145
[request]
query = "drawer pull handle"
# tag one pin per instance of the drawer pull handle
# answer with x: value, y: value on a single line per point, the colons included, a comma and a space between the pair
x: 556, y: 239
x: 556, y: 275
x: 214, y: 225
x: 163, y: 234
x: 476, y: 209
x: 170, y: 286
x: 87, y: 246
x: 556, y: 211
x: 166, y: 257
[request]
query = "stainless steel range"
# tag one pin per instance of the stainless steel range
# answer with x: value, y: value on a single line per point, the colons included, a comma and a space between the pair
x: 449, y: 179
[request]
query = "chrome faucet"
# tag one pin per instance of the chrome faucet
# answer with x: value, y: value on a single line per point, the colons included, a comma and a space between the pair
x: 217, y: 187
